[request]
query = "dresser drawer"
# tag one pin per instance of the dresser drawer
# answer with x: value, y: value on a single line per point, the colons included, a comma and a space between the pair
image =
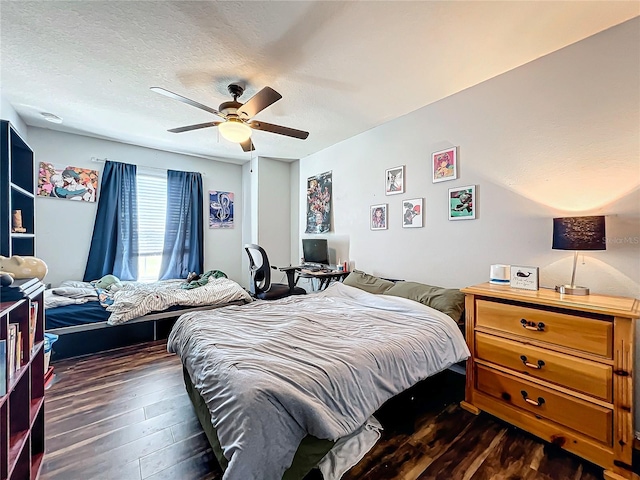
x: 578, y: 374
x: 572, y: 331
x: 584, y: 417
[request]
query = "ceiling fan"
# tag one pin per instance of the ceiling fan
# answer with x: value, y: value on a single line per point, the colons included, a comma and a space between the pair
x: 237, y: 117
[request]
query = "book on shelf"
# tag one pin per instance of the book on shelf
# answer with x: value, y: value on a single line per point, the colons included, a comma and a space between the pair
x: 3, y: 367
x: 12, y: 334
x: 20, y: 288
x: 19, y: 350
x: 33, y: 321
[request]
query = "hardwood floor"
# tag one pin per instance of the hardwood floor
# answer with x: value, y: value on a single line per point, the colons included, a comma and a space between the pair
x: 124, y: 414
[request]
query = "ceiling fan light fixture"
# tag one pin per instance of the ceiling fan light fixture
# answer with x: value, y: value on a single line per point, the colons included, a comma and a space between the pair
x: 235, y: 130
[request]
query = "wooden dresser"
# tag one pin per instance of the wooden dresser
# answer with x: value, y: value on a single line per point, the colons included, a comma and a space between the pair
x: 558, y: 366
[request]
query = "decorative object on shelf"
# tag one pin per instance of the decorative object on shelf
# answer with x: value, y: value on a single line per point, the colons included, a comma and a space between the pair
x: 462, y: 203
x: 16, y: 222
x: 578, y: 233
x: 72, y: 183
x: 444, y: 165
x: 412, y: 216
x: 394, y: 180
x: 319, y: 190
x: 220, y: 209
x: 500, y: 274
x: 23, y: 267
x: 379, y: 217
x: 525, y: 278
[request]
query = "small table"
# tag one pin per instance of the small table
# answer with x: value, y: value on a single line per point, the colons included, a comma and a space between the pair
x: 324, y: 277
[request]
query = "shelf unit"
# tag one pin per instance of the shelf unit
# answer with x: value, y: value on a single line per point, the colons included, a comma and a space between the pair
x: 17, y: 192
x: 22, y: 406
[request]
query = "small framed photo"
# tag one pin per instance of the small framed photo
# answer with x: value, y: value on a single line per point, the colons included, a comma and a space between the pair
x: 394, y: 180
x: 525, y: 278
x: 462, y: 203
x: 444, y: 165
x: 412, y: 213
x: 378, y: 217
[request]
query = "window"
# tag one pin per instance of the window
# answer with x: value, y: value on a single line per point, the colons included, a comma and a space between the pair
x: 152, y: 208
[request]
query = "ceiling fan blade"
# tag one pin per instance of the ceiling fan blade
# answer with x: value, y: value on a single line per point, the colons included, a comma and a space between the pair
x: 186, y: 100
x: 247, y: 145
x: 270, y: 127
x: 194, y: 127
x: 261, y: 100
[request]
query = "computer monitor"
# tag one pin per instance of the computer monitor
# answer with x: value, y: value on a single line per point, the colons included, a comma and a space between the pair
x: 315, y: 250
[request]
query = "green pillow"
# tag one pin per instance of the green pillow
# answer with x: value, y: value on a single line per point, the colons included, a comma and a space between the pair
x: 447, y: 300
x: 367, y: 282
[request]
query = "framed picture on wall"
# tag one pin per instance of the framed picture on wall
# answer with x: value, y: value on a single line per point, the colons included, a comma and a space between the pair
x: 220, y: 209
x: 378, y: 216
x: 444, y: 165
x: 394, y: 180
x: 462, y: 203
x: 412, y: 213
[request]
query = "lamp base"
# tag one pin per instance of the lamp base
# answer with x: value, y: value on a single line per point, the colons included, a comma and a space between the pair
x: 572, y: 290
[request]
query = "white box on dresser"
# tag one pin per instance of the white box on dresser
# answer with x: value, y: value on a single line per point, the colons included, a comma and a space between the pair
x: 558, y: 366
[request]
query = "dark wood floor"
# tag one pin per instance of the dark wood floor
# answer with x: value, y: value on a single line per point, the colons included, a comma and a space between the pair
x: 124, y: 414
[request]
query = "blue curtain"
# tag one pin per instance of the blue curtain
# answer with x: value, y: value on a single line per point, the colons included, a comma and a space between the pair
x: 183, y: 236
x: 114, y: 245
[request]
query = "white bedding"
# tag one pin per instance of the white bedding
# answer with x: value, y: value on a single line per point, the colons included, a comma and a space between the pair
x: 317, y: 364
x: 134, y: 300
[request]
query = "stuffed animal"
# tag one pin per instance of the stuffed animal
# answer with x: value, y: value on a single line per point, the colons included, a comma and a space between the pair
x: 23, y: 267
x: 109, y: 282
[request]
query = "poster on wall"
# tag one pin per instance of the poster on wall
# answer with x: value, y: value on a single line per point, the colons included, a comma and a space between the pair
x: 462, y: 203
x: 319, y: 203
x: 412, y: 213
x: 220, y: 209
x: 71, y: 183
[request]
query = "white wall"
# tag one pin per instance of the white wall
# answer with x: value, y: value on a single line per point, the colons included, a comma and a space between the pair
x: 274, y: 213
x: 64, y: 228
x: 558, y: 136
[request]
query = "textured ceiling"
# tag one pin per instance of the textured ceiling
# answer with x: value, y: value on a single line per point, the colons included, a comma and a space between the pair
x: 341, y: 67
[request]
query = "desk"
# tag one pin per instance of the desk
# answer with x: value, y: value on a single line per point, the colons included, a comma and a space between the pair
x: 324, y: 278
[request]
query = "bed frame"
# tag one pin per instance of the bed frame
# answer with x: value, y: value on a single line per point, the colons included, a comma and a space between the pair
x: 151, y: 317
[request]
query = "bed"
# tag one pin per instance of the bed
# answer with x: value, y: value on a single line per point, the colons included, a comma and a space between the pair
x: 88, y: 308
x: 277, y: 383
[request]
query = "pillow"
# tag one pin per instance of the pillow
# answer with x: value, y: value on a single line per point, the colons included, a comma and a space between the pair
x: 367, y: 282
x: 446, y: 300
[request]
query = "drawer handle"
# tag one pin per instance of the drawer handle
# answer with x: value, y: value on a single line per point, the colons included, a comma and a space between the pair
x: 531, y: 400
x: 531, y: 365
x: 539, y: 327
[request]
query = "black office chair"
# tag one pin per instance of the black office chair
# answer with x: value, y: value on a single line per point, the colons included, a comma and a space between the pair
x: 260, y: 271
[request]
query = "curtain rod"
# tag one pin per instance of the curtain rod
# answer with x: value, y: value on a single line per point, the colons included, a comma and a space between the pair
x: 144, y: 167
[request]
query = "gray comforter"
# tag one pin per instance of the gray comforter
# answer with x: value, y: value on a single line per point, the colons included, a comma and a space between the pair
x: 273, y: 372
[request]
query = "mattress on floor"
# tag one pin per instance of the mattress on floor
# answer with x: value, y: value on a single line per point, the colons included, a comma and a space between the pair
x: 78, y: 314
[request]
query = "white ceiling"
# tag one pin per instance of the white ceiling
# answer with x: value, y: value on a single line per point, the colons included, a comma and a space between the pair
x: 341, y: 67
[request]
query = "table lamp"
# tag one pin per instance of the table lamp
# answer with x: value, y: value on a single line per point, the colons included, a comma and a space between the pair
x: 578, y: 233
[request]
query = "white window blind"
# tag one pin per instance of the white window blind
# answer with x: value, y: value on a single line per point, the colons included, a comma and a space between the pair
x: 152, y: 208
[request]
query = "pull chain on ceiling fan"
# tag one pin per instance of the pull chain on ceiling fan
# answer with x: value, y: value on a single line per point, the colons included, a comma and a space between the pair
x: 237, y: 117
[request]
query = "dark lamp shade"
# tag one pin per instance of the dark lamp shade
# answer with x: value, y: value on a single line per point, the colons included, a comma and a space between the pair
x: 579, y: 233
